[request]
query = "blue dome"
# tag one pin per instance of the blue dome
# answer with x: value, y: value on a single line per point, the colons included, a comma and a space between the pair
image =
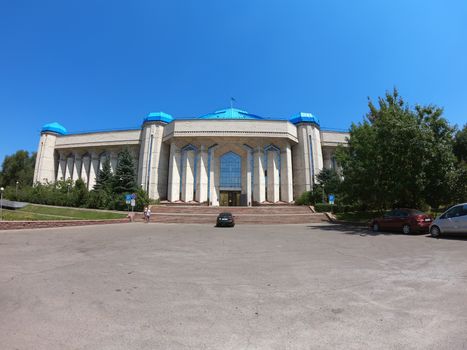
x: 303, y: 117
x: 55, y: 128
x: 158, y: 116
x: 230, y: 113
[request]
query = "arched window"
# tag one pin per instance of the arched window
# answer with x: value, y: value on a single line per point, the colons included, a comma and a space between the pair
x: 231, y: 171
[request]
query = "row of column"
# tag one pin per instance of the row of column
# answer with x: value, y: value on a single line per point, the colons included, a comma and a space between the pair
x: 78, y: 166
x: 200, y: 180
x: 193, y: 171
x: 279, y: 177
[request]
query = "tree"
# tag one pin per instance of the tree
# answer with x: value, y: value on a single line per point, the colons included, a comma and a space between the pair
x: 104, y: 178
x: 125, y: 176
x: 18, y: 167
x: 399, y: 156
x: 460, y: 144
x: 330, y: 180
x: 80, y: 194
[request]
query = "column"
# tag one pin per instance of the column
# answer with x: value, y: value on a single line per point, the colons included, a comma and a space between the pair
x: 202, y: 176
x: 249, y: 174
x: 85, y: 165
x: 286, y: 174
x: 307, y: 158
x: 61, y: 167
x: 153, y: 160
x: 113, y: 161
x: 174, y: 174
x: 273, y: 176
x: 45, y: 170
x: 93, y: 170
x: 77, y: 166
x: 188, y: 175
x: 69, y: 167
x: 213, y: 179
x: 317, y: 154
x: 102, y: 160
x: 259, y: 190
x: 327, y: 162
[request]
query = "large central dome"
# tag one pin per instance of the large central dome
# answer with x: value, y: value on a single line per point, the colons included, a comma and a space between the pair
x: 230, y: 113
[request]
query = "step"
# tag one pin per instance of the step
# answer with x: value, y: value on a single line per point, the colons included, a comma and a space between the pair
x: 243, y: 215
x: 233, y: 210
x: 272, y: 220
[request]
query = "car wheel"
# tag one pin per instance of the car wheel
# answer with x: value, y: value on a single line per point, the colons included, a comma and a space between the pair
x: 375, y: 227
x: 406, y: 229
x: 434, y: 231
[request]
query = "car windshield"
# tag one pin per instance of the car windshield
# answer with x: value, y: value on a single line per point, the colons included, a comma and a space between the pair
x: 225, y: 214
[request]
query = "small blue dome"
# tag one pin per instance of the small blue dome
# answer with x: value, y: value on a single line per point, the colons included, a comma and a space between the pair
x: 55, y: 128
x: 158, y: 116
x: 303, y: 117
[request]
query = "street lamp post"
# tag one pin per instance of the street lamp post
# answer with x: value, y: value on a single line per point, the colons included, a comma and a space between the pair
x: 1, y: 203
x: 17, y: 183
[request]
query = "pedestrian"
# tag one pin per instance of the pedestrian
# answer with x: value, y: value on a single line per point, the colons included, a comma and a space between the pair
x: 148, y: 214
x: 145, y: 214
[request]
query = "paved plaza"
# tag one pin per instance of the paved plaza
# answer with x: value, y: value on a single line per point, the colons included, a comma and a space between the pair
x: 167, y: 286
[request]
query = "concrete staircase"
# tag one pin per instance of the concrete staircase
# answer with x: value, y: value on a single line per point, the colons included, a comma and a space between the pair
x: 283, y: 214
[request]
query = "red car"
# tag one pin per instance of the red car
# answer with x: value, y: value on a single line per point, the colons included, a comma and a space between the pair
x: 405, y: 220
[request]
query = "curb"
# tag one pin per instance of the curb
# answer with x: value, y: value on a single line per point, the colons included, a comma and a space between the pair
x: 18, y: 225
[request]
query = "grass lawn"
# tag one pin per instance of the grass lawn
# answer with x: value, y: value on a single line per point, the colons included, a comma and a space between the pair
x: 37, y: 212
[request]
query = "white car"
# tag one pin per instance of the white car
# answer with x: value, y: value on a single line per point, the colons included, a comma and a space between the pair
x: 453, y: 220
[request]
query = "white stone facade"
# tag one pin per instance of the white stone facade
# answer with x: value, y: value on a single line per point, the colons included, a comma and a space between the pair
x: 216, y: 161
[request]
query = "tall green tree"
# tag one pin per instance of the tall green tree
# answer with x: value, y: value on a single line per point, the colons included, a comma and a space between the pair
x: 18, y: 167
x: 330, y: 180
x: 104, y: 178
x: 124, y: 180
x: 460, y: 144
x: 399, y: 156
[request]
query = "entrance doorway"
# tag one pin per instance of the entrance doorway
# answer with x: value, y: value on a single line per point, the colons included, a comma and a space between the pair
x: 230, y: 183
x: 230, y: 198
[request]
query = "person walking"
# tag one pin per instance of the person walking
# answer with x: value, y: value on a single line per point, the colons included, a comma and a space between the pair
x: 145, y: 214
x: 148, y: 214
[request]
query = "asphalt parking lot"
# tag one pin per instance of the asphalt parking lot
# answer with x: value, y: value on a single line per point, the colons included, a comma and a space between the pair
x: 156, y: 286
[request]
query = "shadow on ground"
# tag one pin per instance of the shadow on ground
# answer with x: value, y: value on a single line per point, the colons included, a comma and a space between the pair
x: 354, y: 230
x: 451, y: 236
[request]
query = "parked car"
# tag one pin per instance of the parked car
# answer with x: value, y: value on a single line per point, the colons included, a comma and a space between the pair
x: 405, y: 220
x: 225, y: 219
x: 453, y: 220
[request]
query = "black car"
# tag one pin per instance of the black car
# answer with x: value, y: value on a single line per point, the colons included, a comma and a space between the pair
x: 225, y: 219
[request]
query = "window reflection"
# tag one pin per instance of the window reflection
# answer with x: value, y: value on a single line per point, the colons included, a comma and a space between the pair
x: 231, y: 170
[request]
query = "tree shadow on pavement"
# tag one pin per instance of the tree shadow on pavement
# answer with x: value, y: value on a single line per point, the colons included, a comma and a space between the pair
x: 451, y: 236
x: 351, y: 230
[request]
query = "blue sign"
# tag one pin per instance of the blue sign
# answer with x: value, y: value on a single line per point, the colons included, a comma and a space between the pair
x: 331, y: 199
x: 128, y: 198
x: 133, y: 196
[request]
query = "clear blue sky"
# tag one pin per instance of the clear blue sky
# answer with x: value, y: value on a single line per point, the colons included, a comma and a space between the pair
x: 106, y: 64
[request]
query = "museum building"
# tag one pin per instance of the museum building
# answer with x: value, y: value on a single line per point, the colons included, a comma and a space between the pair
x: 229, y: 157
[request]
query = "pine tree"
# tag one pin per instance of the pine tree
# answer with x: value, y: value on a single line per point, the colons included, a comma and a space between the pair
x: 104, y: 178
x: 125, y: 175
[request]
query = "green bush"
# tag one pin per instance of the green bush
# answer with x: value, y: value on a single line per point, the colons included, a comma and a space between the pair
x: 323, y: 207
x: 67, y: 194
x: 311, y: 197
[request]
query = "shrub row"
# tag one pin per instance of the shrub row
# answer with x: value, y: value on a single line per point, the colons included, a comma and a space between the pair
x: 74, y: 194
